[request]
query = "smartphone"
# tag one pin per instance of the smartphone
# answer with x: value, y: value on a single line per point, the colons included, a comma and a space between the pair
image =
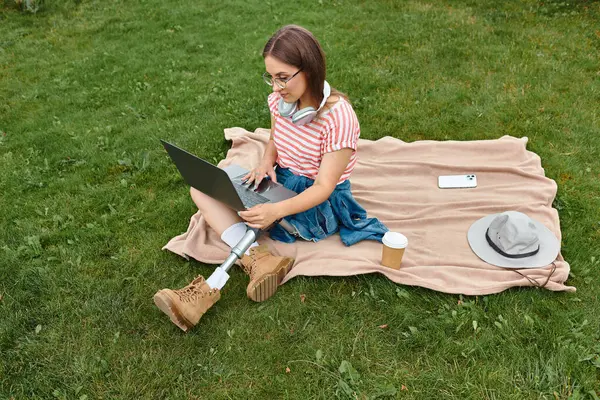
x: 457, y: 181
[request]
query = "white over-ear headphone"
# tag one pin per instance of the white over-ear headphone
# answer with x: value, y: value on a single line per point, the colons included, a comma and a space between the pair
x: 305, y: 115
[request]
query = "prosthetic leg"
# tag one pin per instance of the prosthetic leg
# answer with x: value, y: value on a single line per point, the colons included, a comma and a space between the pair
x: 186, y: 306
x: 220, y: 276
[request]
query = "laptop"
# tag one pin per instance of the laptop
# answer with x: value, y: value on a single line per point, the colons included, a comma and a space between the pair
x: 225, y: 185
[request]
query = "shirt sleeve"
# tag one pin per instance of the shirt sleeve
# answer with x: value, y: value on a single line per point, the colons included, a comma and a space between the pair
x: 344, y: 131
x: 273, y: 101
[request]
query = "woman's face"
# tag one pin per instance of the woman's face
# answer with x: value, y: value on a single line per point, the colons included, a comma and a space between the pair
x: 295, y: 88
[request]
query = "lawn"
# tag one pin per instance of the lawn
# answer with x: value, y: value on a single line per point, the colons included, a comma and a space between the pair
x: 88, y: 197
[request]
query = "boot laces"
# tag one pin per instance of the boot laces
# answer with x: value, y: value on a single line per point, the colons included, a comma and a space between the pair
x: 254, y: 257
x: 192, y: 293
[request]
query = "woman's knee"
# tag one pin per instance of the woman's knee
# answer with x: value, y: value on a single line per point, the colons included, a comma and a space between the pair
x: 199, y: 198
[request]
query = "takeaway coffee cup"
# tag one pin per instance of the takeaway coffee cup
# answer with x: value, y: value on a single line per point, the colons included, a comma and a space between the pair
x: 394, y: 245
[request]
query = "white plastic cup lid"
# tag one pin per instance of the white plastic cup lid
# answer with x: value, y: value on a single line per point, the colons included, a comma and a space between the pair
x: 395, y: 240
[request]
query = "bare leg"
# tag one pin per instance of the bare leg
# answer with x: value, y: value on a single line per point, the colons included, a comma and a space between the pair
x: 216, y: 214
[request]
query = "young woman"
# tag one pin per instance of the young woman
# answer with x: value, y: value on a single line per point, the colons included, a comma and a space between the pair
x: 312, y: 150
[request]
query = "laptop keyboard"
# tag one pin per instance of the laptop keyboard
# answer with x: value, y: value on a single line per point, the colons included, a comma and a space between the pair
x: 249, y: 197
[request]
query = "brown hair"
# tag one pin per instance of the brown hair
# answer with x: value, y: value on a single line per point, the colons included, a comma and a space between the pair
x: 297, y: 46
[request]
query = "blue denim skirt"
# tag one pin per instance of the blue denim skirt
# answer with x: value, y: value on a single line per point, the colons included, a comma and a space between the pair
x: 339, y: 213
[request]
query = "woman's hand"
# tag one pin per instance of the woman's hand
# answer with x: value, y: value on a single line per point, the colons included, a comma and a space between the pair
x: 261, y: 216
x: 258, y: 174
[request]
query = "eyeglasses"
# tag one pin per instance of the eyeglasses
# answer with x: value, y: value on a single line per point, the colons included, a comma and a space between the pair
x: 281, y: 83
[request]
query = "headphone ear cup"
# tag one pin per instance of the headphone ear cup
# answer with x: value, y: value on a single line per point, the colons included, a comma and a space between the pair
x: 286, y: 109
x: 304, y: 116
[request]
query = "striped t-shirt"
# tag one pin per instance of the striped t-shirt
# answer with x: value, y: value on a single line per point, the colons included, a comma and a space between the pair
x: 301, y: 148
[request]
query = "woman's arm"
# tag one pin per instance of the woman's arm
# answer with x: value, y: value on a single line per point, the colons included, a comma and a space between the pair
x: 266, y: 163
x: 331, y: 169
x: 270, y: 155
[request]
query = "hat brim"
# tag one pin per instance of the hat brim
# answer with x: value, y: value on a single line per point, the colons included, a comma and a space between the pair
x: 549, y: 246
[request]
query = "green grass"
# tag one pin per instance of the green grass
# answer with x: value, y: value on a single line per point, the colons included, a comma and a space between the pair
x: 88, y: 197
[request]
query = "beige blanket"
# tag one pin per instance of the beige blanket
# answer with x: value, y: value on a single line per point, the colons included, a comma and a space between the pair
x: 397, y: 183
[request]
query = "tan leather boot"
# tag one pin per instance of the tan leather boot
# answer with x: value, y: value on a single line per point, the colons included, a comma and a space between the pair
x: 186, y: 306
x: 266, y: 272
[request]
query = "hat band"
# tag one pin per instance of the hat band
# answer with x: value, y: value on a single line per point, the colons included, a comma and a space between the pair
x: 499, y: 250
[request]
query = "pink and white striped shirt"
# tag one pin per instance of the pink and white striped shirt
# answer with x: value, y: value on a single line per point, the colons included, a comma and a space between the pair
x: 301, y: 148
